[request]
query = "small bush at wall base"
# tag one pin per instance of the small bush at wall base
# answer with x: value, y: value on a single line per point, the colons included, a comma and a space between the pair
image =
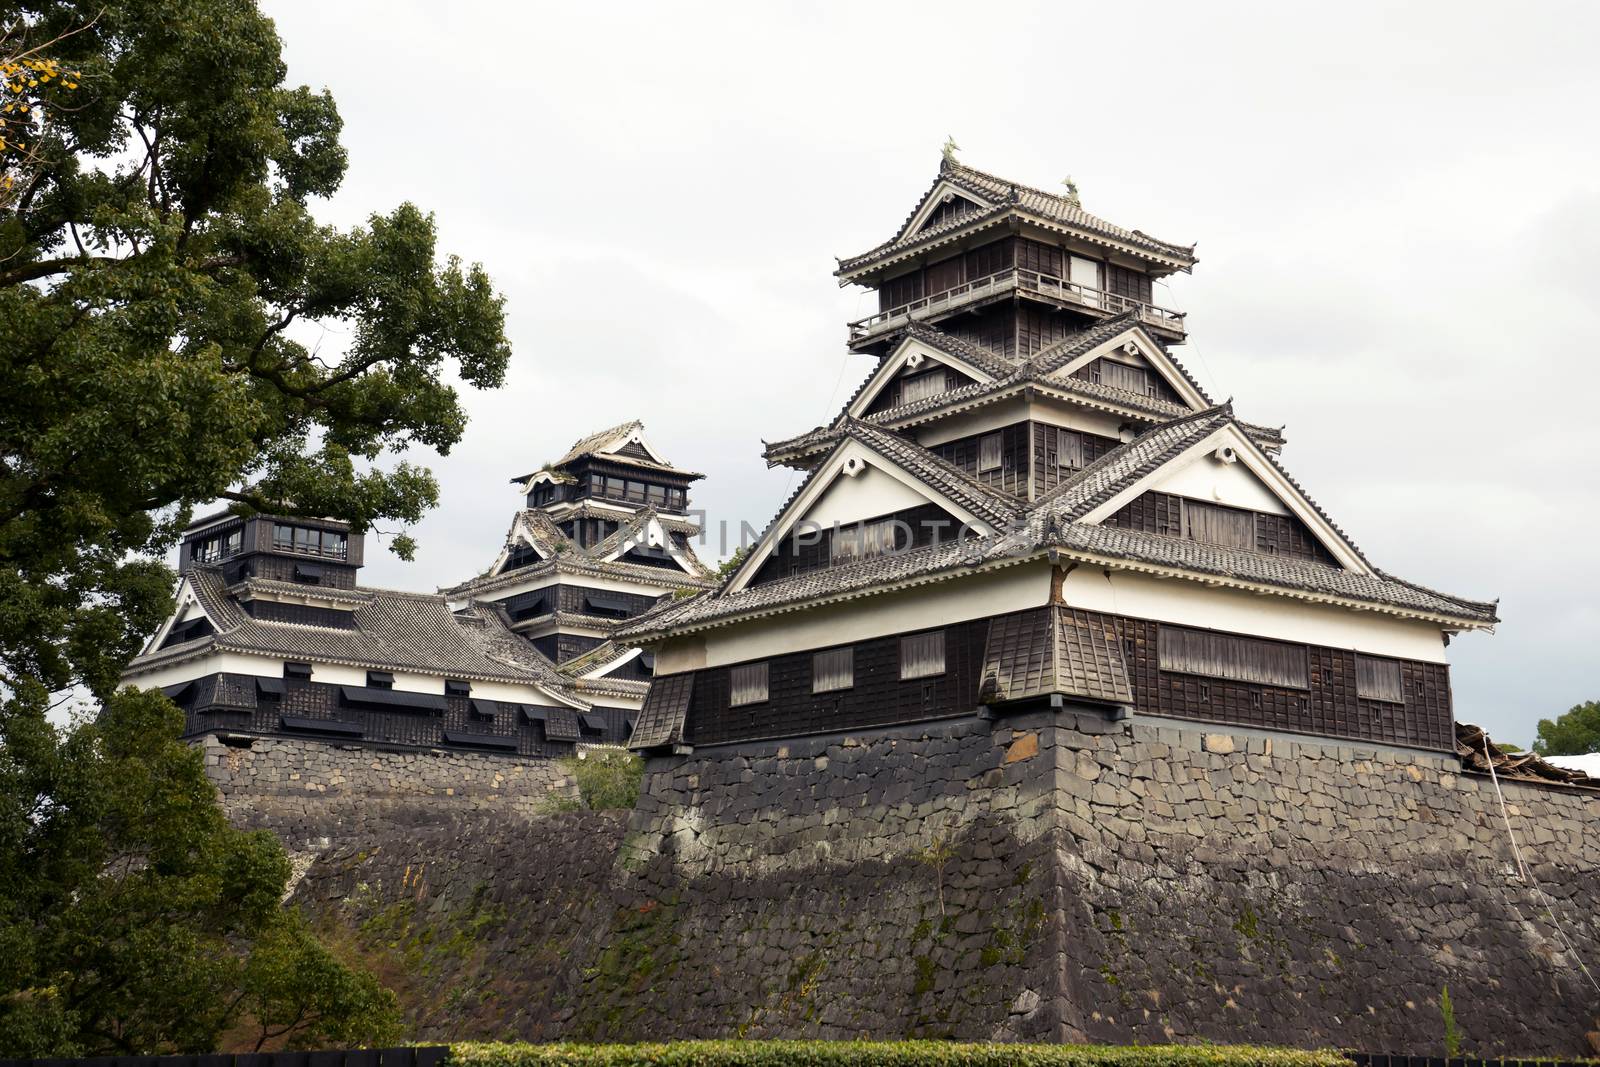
x: 607, y: 779
x: 881, y: 1054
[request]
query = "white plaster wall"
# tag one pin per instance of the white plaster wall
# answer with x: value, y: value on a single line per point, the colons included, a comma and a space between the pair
x: 1011, y: 589
x: 868, y: 495
x: 1191, y: 604
x: 216, y: 663
x: 1234, y: 484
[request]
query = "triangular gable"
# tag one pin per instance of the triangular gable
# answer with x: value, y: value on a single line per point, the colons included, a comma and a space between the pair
x: 1244, y: 473
x: 850, y: 459
x: 1136, y: 347
x: 939, y: 205
x: 911, y: 356
x: 186, y: 608
x: 521, y: 535
x: 631, y: 444
x: 649, y: 534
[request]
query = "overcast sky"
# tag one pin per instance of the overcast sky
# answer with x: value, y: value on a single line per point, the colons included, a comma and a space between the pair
x: 1397, y: 211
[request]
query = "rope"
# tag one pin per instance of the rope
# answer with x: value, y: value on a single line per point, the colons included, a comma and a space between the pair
x: 1525, y: 874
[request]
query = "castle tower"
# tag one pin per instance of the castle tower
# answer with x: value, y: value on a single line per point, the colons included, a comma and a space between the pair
x: 1011, y: 268
x: 605, y: 536
x: 1029, y: 502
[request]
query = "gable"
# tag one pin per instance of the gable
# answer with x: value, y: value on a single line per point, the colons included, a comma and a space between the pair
x: 941, y: 205
x: 1132, y: 360
x: 886, y: 488
x: 911, y: 359
x: 1229, y: 477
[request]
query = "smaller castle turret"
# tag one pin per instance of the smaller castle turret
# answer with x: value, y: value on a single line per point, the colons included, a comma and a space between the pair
x: 306, y: 551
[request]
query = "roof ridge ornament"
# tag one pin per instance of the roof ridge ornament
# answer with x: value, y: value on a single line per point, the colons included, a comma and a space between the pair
x: 1072, y: 192
x: 948, y: 152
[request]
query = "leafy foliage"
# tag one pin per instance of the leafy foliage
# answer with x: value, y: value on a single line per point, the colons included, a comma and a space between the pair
x: 607, y: 779
x: 1577, y: 733
x: 133, y: 918
x: 158, y: 261
x: 881, y: 1054
x: 161, y: 276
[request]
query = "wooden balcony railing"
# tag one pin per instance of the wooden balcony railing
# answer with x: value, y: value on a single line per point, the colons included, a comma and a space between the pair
x: 1010, y: 280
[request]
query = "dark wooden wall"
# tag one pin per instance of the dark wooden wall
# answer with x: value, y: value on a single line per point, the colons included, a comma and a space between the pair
x: 231, y: 702
x: 1329, y: 707
x: 811, y: 551
x: 1281, y: 535
x: 1093, y: 371
x: 878, y: 697
x: 1047, y: 472
x: 1015, y: 448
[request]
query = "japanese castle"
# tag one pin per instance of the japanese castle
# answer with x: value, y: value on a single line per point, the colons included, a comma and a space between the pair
x: 273, y: 635
x: 1029, y: 502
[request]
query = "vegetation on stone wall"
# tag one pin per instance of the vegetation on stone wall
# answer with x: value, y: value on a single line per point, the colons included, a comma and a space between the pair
x: 881, y: 1054
x: 606, y: 780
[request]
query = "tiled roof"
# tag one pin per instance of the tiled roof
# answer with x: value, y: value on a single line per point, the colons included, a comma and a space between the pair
x: 391, y: 631
x: 997, y: 197
x: 987, y: 360
x: 597, y: 442
x: 1266, y: 569
x: 983, y: 500
x: 565, y: 556
x: 1054, y: 522
x: 1038, y: 372
x: 605, y: 442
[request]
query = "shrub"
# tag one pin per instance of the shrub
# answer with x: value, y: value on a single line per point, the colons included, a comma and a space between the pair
x: 607, y: 778
x: 881, y: 1054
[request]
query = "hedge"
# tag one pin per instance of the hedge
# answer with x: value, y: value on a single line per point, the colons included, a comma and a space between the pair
x: 881, y: 1054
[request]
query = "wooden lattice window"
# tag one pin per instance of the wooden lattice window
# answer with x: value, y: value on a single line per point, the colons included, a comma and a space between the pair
x: 833, y: 670
x: 1379, y: 679
x: 922, y: 655
x: 1125, y: 376
x: 1218, y: 525
x: 989, y: 453
x: 1240, y: 659
x: 864, y: 540
x: 748, y: 684
x: 922, y: 386
x: 1069, y: 449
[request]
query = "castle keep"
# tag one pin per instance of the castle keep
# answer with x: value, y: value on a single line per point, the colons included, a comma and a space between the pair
x: 1029, y: 502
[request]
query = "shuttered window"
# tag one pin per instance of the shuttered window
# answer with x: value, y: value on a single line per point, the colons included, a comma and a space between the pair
x: 1240, y: 659
x: 1123, y: 376
x: 1217, y: 525
x: 749, y: 684
x: 1069, y: 449
x: 833, y: 669
x: 1379, y: 679
x: 922, y: 655
x: 921, y: 386
x: 864, y: 541
x: 989, y: 452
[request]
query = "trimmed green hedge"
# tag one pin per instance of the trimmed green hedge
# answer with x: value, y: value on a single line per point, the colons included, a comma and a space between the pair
x: 881, y: 1054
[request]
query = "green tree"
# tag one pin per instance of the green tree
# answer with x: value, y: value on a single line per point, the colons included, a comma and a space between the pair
x: 159, y: 265
x: 1576, y: 733
x: 160, y: 272
x: 133, y: 918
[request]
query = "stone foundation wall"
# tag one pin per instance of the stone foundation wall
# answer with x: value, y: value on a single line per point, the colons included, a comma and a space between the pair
x: 1047, y: 877
x: 314, y: 793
